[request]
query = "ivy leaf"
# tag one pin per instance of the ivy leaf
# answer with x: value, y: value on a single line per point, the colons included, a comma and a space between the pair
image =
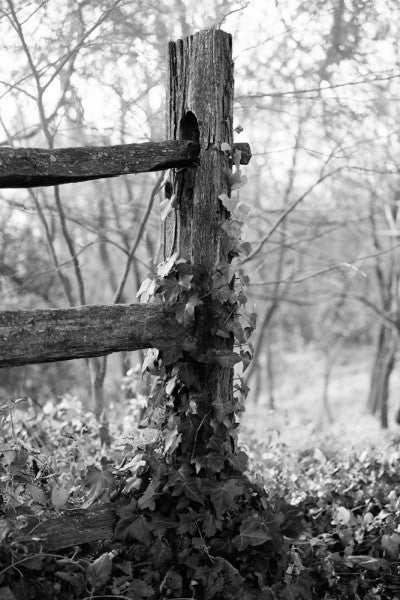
x: 199, y: 543
x: 147, y: 500
x: 5, y: 528
x: 223, y: 407
x: 223, y: 494
x: 6, y: 593
x: 150, y: 360
x: 19, y: 460
x: 99, y: 482
x: 187, y: 523
x: 166, y: 207
x: 239, y: 461
x: 211, y: 525
x: 166, y: 267
x: 229, y: 203
x: 161, y: 554
x: 185, y: 315
x: 236, y: 158
x: 246, y: 358
x: 241, y: 212
x: 221, y: 289
x: 342, y: 515
x: 76, y: 580
x: 185, y: 281
x: 237, y: 180
x: 171, y: 353
x: 141, y: 590
x: 244, y: 279
x: 245, y: 248
x: 139, y: 529
x: 171, y: 384
x: 242, y: 298
x: 159, y: 524
x: 172, y: 437
x: 242, y: 326
x: 390, y: 543
x: 189, y: 487
x: 166, y: 179
x: 233, y: 229
x: 182, y: 482
x: 297, y: 590
x: 288, y: 517
x: 99, y: 571
x: 37, y: 493
x: 241, y: 387
x: 213, y: 461
x: 170, y: 288
x: 187, y: 375
x: 33, y: 563
x: 59, y: 496
x: 146, y: 290
x: 253, y: 532
x: 236, y: 328
x: 218, y: 577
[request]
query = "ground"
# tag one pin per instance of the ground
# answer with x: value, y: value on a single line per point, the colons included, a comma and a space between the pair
x: 343, y: 477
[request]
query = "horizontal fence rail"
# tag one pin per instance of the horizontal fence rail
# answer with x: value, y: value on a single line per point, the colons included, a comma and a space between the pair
x: 34, y: 167
x: 63, y: 531
x: 50, y: 335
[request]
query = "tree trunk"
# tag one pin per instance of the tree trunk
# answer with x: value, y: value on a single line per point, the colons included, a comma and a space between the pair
x: 378, y: 397
x: 270, y: 375
x: 326, y: 407
x: 98, y: 369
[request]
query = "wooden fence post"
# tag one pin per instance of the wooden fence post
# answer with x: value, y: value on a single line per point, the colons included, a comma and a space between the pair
x: 200, y: 108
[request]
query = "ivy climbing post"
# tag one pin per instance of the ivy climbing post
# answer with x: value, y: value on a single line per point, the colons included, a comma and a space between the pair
x: 200, y: 109
x: 209, y: 531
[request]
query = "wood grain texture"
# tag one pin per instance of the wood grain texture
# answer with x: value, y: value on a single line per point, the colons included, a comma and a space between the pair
x: 201, y: 84
x: 200, y: 110
x: 49, y: 335
x: 33, y: 167
x: 72, y: 528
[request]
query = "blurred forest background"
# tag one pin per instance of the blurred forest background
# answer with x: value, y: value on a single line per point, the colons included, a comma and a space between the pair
x: 318, y: 98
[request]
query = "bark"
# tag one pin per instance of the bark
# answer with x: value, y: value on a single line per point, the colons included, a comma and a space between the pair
x: 32, y: 167
x: 49, y: 335
x: 72, y: 529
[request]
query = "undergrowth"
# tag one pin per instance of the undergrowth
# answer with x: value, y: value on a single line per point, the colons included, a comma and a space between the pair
x: 51, y: 460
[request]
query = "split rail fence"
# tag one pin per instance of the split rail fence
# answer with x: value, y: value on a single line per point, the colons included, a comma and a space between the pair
x: 199, y: 120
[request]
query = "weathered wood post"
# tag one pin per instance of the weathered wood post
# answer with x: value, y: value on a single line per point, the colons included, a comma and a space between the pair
x: 200, y: 109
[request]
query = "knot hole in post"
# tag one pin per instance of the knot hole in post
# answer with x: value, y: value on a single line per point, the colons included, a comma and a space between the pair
x: 189, y: 128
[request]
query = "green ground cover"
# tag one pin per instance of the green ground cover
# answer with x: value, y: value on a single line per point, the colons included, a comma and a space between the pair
x: 343, y: 479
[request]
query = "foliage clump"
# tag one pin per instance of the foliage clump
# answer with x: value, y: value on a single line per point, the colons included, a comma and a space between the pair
x: 349, y: 505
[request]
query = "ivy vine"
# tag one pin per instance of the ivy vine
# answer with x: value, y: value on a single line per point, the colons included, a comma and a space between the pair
x: 196, y: 526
